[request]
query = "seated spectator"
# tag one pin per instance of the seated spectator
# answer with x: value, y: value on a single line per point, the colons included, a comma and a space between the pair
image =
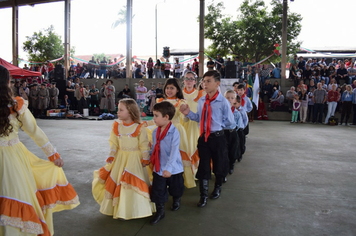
x: 278, y: 102
x: 265, y: 73
x: 138, y: 72
x: 323, y: 85
x: 26, y: 67
x: 324, y: 74
x: 293, y: 75
x: 352, y: 74
x: 71, y: 74
x: 267, y: 90
x: 353, y: 85
x: 126, y: 92
x: 311, y: 85
x: 342, y: 74
x: 302, y: 86
x: 159, y: 91
x: 332, y: 82
x: 301, y: 63
x: 307, y: 74
x: 290, y: 97
x: 275, y: 89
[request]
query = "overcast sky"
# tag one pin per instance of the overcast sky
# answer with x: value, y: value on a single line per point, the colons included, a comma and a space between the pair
x: 324, y: 23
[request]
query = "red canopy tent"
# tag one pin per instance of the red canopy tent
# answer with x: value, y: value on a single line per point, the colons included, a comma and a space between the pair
x: 17, y: 72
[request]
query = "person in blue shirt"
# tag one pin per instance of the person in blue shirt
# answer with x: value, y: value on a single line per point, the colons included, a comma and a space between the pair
x: 244, y: 123
x: 166, y: 160
x: 354, y: 106
x: 246, y: 104
x: 346, y: 100
x: 214, y: 114
x: 233, y: 142
x: 276, y: 72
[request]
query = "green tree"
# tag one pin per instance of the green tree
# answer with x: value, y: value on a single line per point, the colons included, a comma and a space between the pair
x: 121, y: 18
x: 254, y: 32
x: 44, y: 45
x: 100, y: 56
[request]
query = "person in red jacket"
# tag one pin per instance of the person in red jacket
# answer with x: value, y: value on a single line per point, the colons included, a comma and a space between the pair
x: 262, y: 113
x: 333, y: 96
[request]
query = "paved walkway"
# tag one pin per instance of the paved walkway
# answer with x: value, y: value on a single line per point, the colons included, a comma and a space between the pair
x: 295, y: 179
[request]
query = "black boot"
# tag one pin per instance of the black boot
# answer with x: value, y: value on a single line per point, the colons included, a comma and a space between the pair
x: 176, y: 204
x: 159, y: 214
x: 231, y: 170
x: 216, y: 192
x: 203, y: 187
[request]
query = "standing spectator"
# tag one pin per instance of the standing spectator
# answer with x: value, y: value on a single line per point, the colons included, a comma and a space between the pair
x: 110, y: 96
x: 141, y: 91
x: 319, y: 99
x: 354, y: 105
x: 50, y: 69
x: 70, y: 92
x: 333, y: 95
x: 26, y: 67
x: 276, y: 72
x: 239, y: 68
x: 167, y: 68
x: 177, y: 68
x: 210, y: 64
x: 346, y: 100
x: 341, y: 74
x: 290, y: 96
x: 150, y: 68
x: 80, y: 96
x: 219, y: 62
x: 94, y: 97
x: 53, y: 95
x: 303, y: 96
x: 188, y: 68
x: 296, y: 107
x: 294, y: 61
x: 264, y: 73
x: 293, y: 75
x: 87, y: 94
x: 25, y: 88
x: 157, y: 69
x: 195, y: 68
x: 353, y: 85
x: 302, y: 63
x: 102, y: 98
x: 91, y: 67
x: 310, y: 103
x: 103, y: 64
x: 43, y: 96
x: 352, y: 73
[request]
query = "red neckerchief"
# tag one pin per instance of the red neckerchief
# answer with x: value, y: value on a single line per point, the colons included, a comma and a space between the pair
x: 155, y: 153
x: 233, y: 109
x: 208, y: 118
x: 82, y: 91
x: 243, y: 100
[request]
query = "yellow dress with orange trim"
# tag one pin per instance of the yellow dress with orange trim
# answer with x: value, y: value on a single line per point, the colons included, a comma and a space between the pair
x: 31, y: 188
x: 189, y: 179
x: 191, y: 127
x: 122, y: 187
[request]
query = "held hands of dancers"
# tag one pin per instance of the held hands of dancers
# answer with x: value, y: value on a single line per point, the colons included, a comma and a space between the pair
x: 145, y: 162
x: 184, y: 109
x: 110, y: 160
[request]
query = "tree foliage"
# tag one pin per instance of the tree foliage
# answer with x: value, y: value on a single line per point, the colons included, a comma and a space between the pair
x: 121, y: 18
x: 101, y: 56
x: 254, y: 31
x: 44, y: 45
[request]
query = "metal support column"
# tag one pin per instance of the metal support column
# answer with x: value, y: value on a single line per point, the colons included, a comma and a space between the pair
x: 67, y: 12
x: 128, y: 40
x: 284, y: 43
x: 15, y: 39
x: 201, y: 38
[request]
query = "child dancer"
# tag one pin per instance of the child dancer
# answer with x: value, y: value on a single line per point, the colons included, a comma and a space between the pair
x: 31, y: 188
x: 245, y: 103
x: 121, y: 187
x: 192, y: 96
x: 166, y: 160
x: 173, y: 94
x: 296, y: 106
x: 240, y: 131
x: 233, y: 142
x: 214, y: 114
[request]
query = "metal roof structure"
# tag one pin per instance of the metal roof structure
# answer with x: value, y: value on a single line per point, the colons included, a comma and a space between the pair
x: 10, y: 3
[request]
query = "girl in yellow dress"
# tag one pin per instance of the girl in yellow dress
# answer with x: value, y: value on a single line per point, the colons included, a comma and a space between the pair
x: 31, y: 189
x: 173, y: 94
x: 121, y: 187
x: 191, y: 96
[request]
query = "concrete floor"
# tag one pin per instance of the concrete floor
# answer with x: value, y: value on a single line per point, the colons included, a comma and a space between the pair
x: 295, y: 179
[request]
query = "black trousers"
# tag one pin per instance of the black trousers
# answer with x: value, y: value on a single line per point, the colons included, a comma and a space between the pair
x: 346, y: 110
x: 213, y: 150
x: 242, y: 139
x: 247, y: 130
x: 233, y: 146
x: 159, y: 192
x: 94, y: 102
x: 166, y: 73
x: 354, y: 115
x: 82, y: 103
x: 310, y: 112
x: 318, y: 112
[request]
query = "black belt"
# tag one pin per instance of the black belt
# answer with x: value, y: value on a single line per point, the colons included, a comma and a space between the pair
x: 216, y: 133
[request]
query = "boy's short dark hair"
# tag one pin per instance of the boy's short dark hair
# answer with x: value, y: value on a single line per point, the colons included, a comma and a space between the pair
x: 213, y: 73
x: 233, y: 85
x: 165, y: 108
x: 238, y: 99
x: 241, y: 86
